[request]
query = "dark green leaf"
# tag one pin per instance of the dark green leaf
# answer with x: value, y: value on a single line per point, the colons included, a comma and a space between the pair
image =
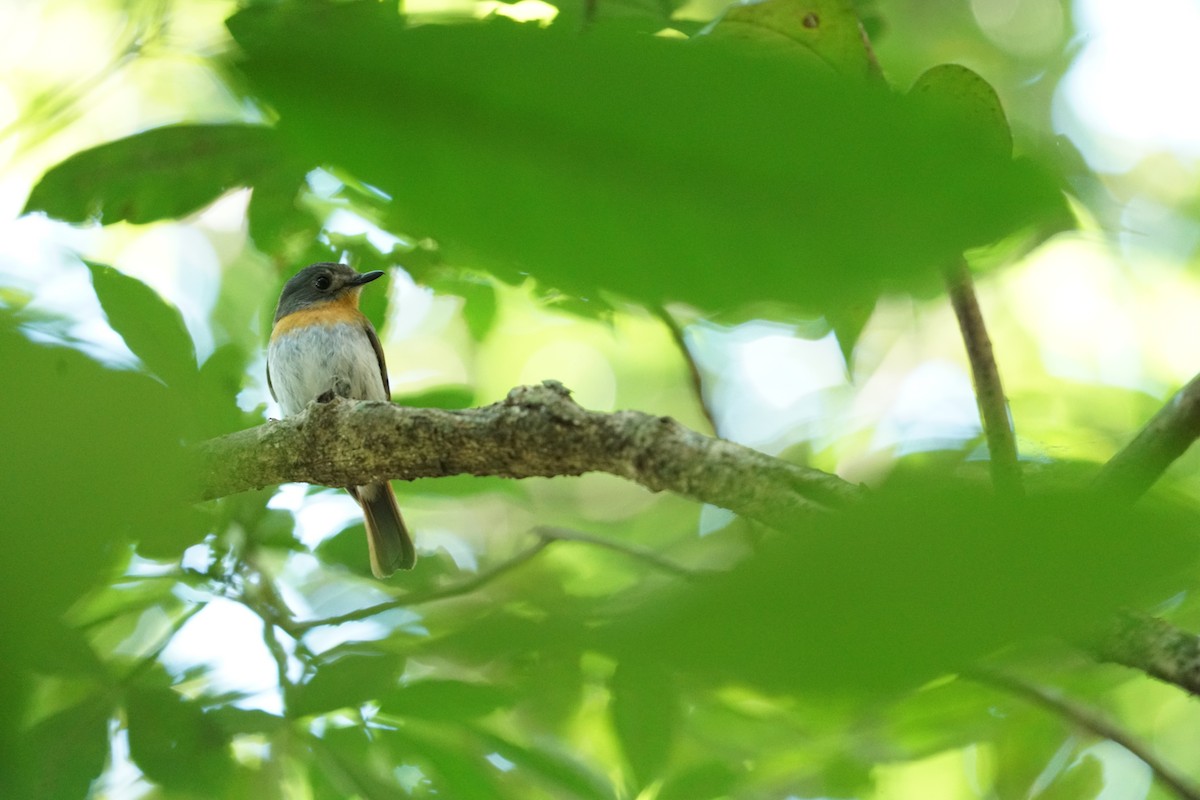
x: 152, y: 328
x: 348, y: 681
x: 706, y: 781
x: 445, y: 700
x: 175, y: 742
x: 163, y: 173
x: 934, y: 576
x: 60, y: 756
x: 651, y: 167
x: 645, y: 709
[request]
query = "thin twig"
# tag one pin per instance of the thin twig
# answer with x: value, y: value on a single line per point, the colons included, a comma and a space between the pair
x: 680, y: 340
x: 989, y: 392
x: 625, y: 548
x: 1166, y: 437
x: 416, y: 598
x: 1092, y: 721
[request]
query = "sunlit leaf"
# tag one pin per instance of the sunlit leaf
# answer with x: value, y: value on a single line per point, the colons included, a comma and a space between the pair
x: 651, y: 167
x: 152, y: 328
x: 163, y: 173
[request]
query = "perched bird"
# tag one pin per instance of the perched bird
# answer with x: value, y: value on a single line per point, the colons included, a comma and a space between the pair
x: 321, y: 346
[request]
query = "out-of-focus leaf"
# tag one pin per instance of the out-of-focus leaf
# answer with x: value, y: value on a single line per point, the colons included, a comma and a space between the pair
x: 645, y: 709
x: 347, y: 548
x: 216, y: 391
x: 934, y: 577
x: 959, y: 90
x: 175, y: 742
x: 708, y: 780
x: 440, y: 397
x: 60, y: 756
x: 461, y: 771
x: 651, y: 167
x: 557, y: 769
x: 96, y: 465
x: 445, y: 700
x: 234, y: 720
x: 1082, y: 779
x: 350, y: 680
x: 152, y: 328
x: 162, y: 173
x: 825, y: 33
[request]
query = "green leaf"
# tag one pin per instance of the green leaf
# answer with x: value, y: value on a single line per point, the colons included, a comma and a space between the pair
x: 559, y: 769
x: 654, y: 168
x: 152, y: 328
x: 935, y: 576
x: 705, y: 781
x: 645, y: 709
x: 175, y: 742
x: 60, y: 756
x: 348, y: 681
x: 960, y: 91
x: 822, y: 32
x: 440, y: 397
x: 163, y: 173
x: 445, y: 700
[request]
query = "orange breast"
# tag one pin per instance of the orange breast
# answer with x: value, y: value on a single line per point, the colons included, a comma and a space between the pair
x: 343, y: 309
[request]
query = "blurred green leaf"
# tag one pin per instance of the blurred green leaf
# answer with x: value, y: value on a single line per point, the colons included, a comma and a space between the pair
x: 558, y: 769
x: 647, y: 166
x: 348, y: 548
x: 164, y: 173
x: 60, y: 756
x: 935, y: 576
x: 958, y: 90
x: 1084, y: 778
x: 824, y: 33
x: 645, y: 710
x: 445, y: 700
x: 707, y: 780
x: 351, y: 679
x: 175, y: 742
x: 440, y: 397
x: 152, y: 328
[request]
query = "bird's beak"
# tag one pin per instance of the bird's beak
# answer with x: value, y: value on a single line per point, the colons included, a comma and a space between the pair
x: 365, y: 277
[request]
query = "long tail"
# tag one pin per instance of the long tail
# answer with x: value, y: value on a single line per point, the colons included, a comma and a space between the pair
x: 388, y: 541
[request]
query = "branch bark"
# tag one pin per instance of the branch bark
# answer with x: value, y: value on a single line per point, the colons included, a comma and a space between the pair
x: 536, y: 431
x: 1166, y: 437
x: 989, y: 392
x: 1153, y: 646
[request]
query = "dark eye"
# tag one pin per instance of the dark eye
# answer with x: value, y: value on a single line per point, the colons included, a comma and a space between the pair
x: 323, y: 282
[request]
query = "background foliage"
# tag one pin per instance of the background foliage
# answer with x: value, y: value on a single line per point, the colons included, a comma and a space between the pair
x: 575, y: 199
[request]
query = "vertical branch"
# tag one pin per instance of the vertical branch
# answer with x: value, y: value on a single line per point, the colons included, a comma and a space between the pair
x: 989, y: 393
x: 697, y: 381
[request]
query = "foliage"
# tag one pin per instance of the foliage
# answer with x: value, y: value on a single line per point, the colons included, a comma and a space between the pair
x: 620, y: 170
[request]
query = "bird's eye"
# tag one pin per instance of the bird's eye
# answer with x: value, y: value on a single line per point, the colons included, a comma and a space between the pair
x: 323, y: 282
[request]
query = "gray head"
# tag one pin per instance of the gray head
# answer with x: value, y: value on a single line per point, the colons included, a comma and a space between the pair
x: 322, y: 283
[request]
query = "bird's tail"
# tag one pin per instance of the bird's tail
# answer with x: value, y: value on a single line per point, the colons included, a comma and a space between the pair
x: 388, y: 541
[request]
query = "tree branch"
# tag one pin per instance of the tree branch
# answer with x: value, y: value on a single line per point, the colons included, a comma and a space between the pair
x: 1166, y: 437
x: 537, y: 431
x: 989, y: 392
x: 1092, y: 721
x: 1153, y: 646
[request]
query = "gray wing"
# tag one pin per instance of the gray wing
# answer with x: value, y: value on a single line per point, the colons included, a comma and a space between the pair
x: 387, y: 389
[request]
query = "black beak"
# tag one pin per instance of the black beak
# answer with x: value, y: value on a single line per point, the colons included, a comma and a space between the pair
x: 365, y: 277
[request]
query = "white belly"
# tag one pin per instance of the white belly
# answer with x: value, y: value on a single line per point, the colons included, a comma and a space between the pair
x: 304, y: 364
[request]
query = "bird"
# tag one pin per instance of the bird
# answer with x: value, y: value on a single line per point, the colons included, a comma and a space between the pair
x: 322, y: 346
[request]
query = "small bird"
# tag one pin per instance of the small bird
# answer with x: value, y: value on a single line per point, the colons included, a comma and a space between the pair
x: 321, y: 346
